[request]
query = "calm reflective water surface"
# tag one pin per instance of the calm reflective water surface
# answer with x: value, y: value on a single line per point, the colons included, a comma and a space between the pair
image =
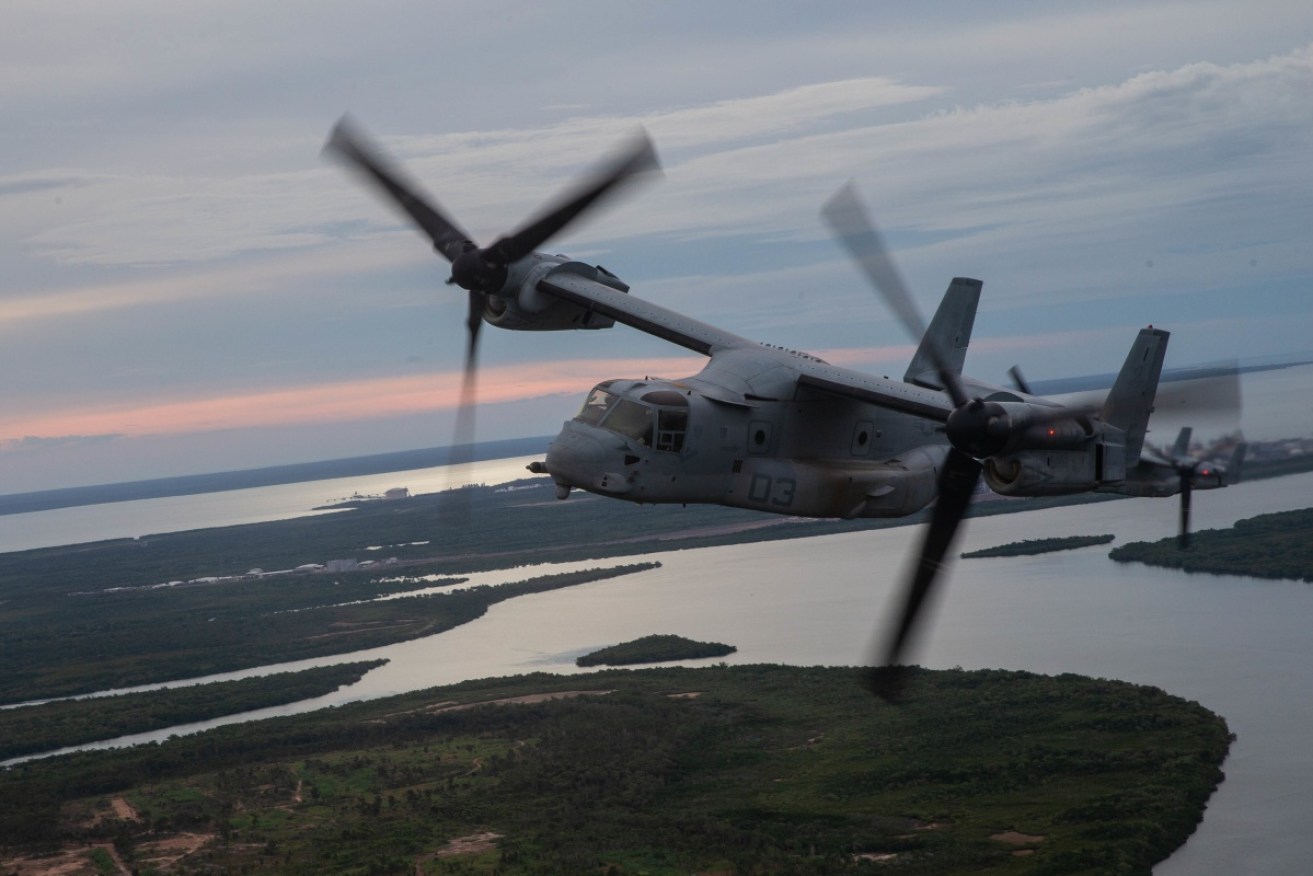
x: 140, y: 517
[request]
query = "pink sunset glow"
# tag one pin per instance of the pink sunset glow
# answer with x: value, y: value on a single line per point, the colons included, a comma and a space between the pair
x: 389, y: 396
x: 335, y: 402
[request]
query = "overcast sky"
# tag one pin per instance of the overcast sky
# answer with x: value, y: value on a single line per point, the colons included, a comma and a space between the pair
x: 188, y: 286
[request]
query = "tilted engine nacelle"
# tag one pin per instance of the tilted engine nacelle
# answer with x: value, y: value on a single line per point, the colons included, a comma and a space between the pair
x: 521, y: 307
x: 1158, y: 480
x: 1030, y: 452
x: 1042, y: 472
x: 1208, y: 476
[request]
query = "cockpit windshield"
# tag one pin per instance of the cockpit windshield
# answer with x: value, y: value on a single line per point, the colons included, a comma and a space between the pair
x: 599, y: 401
x: 659, y: 419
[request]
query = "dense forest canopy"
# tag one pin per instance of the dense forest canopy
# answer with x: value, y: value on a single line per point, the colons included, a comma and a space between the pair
x: 745, y: 769
x: 654, y: 649
x: 1276, y: 545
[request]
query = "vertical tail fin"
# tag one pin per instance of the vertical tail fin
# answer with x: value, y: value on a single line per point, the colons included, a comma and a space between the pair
x: 1182, y: 445
x: 1130, y: 402
x: 1233, y: 466
x: 949, y: 333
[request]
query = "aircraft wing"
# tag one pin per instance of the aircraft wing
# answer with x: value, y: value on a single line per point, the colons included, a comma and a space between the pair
x: 643, y: 315
x: 908, y: 398
x: 708, y: 340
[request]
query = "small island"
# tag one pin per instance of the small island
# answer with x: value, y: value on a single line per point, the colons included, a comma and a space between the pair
x: 654, y: 649
x: 1267, y: 546
x: 1039, y: 546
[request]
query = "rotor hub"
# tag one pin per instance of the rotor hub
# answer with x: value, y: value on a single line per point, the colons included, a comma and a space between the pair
x: 978, y: 429
x: 472, y: 272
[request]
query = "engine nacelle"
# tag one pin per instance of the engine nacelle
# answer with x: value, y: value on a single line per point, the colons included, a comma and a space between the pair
x: 521, y: 307
x: 1042, y: 473
x: 990, y: 427
x: 1208, y: 476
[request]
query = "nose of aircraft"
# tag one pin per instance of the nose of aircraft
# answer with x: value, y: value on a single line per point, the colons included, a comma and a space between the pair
x: 581, y: 457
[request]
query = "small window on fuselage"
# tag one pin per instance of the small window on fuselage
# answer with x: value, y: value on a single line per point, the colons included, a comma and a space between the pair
x: 671, y: 426
x: 672, y: 419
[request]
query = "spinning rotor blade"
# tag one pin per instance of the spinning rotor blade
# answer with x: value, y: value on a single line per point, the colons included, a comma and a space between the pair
x: 1185, y: 468
x: 1215, y: 395
x: 462, y: 440
x: 961, y: 472
x: 852, y: 225
x: 1018, y: 380
x: 349, y: 144
x: 957, y: 482
x: 1187, y: 485
x: 469, y: 379
x: 977, y: 429
x: 629, y: 162
x: 481, y: 272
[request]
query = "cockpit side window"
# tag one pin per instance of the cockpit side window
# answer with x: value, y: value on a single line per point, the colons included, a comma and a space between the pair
x: 672, y: 419
x: 631, y: 420
x: 671, y: 426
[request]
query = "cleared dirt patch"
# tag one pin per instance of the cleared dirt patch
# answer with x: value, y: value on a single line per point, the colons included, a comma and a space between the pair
x: 165, y: 853
x: 70, y: 861
x: 468, y: 845
x: 123, y: 809
x: 879, y: 857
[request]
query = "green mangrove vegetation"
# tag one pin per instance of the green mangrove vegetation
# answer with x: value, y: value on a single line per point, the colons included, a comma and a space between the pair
x: 745, y: 769
x: 65, y: 723
x: 1032, y: 546
x: 60, y: 642
x: 654, y: 649
x: 1267, y: 546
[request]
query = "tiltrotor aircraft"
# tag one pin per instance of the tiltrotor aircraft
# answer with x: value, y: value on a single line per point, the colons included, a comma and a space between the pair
x: 782, y: 431
x: 1176, y: 471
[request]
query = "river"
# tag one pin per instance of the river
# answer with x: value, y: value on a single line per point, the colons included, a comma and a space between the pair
x: 84, y: 523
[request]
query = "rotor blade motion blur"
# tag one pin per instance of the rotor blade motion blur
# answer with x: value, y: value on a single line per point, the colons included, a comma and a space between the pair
x: 632, y: 160
x: 854, y: 229
x: 483, y: 272
x: 957, y: 483
x: 350, y: 144
x: 970, y: 426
